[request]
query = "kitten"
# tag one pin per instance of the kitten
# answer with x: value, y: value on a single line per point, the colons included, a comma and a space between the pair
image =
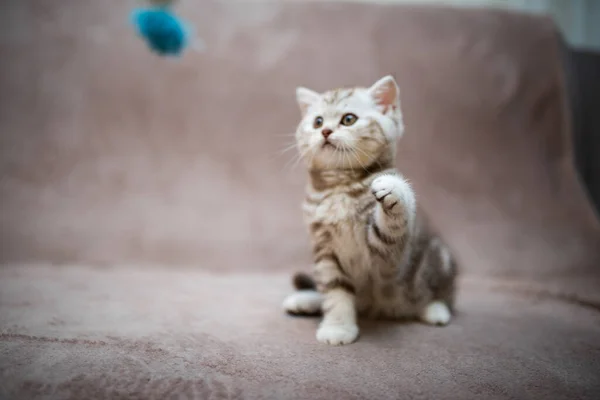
x: 373, y: 256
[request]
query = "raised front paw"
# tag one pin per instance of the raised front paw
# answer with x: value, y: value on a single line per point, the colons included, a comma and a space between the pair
x: 336, y: 334
x: 393, y: 193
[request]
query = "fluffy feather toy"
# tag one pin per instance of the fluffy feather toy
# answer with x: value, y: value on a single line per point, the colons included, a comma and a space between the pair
x: 160, y: 27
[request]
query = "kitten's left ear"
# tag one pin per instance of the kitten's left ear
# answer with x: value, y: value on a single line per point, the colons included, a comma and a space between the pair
x: 385, y: 92
x: 305, y: 98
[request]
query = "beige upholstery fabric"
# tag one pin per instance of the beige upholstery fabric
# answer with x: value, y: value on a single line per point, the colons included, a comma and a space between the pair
x: 149, y: 227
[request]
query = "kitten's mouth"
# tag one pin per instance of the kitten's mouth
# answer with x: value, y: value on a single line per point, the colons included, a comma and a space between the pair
x: 327, y: 144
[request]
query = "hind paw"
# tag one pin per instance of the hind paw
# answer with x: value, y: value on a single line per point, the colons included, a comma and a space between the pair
x: 303, y: 302
x: 436, y: 313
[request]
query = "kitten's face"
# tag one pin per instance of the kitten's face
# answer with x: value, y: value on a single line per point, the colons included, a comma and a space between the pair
x: 349, y: 128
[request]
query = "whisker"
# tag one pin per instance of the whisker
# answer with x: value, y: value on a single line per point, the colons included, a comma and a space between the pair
x: 366, y: 155
x: 300, y: 153
x: 287, y: 148
x: 290, y: 160
x: 347, y: 154
x: 294, y: 161
x: 312, y: 154
x: 353, y: 153
x: 290, y: 167
x: 302, y: 156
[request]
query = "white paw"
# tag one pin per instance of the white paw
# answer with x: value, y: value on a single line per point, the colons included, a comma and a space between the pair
x: 337, y: 334
x: 393, y: 192
x: 436, y: 313
x: 307, y: 302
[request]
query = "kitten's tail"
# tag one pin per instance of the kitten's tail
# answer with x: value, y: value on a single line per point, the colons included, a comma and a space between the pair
x: 303, y: 281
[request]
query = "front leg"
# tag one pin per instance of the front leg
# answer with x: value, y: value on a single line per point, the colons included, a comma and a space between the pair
x: 339, y: 325
x: 393, y: 217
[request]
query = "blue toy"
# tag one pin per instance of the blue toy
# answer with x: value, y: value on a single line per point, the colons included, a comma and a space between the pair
x: 162, y: 30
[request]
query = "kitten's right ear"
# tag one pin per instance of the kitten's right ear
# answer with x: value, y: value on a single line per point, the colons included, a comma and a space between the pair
x: 306, y: 98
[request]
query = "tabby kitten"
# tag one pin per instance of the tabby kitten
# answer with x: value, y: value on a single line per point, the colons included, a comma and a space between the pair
x: 373, y: 257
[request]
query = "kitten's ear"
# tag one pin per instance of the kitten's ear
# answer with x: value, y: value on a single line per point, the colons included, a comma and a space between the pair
x: 385, y: 92
x: 305, y: 98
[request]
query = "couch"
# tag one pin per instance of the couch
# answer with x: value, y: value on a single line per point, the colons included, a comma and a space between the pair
x: 150, y: 225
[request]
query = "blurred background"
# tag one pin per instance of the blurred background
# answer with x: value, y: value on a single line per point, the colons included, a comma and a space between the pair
x: 577, y: 19
x: 110, y: 153
x: 150, y: 221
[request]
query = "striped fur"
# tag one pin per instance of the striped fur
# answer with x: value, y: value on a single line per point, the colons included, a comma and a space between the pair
x: 373, y: 256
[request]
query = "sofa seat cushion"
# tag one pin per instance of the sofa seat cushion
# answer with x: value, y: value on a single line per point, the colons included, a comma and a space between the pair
x: 86, y: 332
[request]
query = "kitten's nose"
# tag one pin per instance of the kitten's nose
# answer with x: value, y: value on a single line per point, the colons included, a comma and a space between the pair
x: 326, y: 132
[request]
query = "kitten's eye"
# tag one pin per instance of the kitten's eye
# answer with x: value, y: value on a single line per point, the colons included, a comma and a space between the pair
x: 318, y: 122
x: 348, y: 119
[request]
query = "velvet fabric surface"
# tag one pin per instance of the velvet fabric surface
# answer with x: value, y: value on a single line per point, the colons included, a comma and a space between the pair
x: 149, y: 225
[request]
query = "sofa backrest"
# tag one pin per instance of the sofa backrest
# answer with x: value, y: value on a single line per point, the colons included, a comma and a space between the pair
x: 112, y: 155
